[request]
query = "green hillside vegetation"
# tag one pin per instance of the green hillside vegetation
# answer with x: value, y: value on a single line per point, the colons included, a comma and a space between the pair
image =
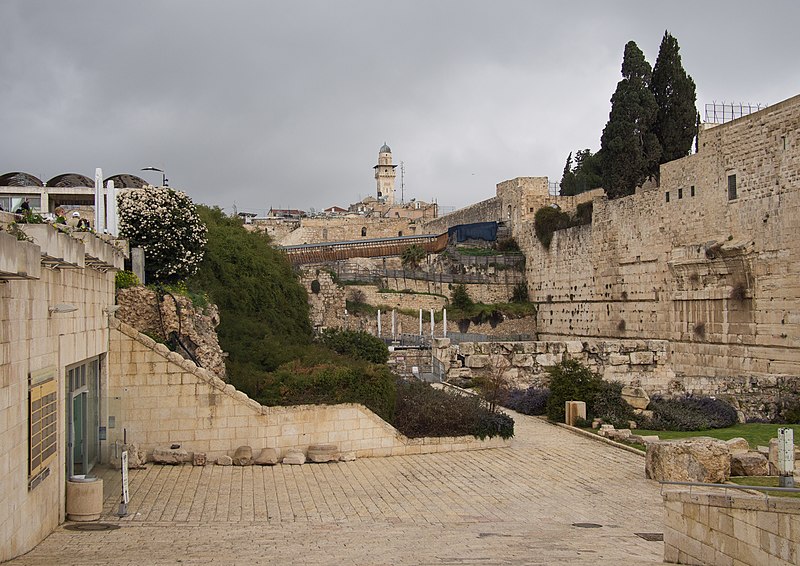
x: 275, y: 359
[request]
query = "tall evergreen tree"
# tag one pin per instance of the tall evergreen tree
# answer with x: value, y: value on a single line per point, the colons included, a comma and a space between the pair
x: 629, y: 149
x: 676, y: 97
x: 567, y: 186
x: 581, y: 174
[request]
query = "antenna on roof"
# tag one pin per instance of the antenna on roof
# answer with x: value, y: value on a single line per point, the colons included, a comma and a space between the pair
x: 402, y: 182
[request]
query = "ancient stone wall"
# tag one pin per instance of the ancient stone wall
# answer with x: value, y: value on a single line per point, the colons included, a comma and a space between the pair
x: 327, y: 305
x: 488, y: 210
x: 175, y: 316
x: 493, y: 291
x: 726, y: 528
x: 640, y: 363
x: 716, y: 276
x: 160, y: 398
x: 316, y: 230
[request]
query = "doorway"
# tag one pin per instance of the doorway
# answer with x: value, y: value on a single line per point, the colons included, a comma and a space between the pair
x: 83, y: 416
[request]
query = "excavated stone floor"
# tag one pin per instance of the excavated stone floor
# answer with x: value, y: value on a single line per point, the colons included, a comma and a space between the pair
x: 516, y: 505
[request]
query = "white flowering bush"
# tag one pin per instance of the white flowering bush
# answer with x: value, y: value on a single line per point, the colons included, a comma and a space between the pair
x: 165, y: 223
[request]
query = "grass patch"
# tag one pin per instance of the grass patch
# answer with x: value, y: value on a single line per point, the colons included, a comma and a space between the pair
x: 763, y: 481
x: 757, y: 434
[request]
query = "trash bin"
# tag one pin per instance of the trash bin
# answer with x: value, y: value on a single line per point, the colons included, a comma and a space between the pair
x: 84, y: 498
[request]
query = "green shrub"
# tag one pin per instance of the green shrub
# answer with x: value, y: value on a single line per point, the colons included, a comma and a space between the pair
x: 546, y: 221
x: 690, y: 413
x: 125, y: 279
x: 507, y: 245
x: 520, y: 293
x: 609, y: 405
x: 356, y: 344
x: 531, y: 401
x: 371, y: 385
x: 570, y: 381
x: 422, y: 411
x: 460, y: 299
x: 791, y: 413
x: 491, y: 424
x: 583, y: 213
x: 166, y: 224
x: 263, y: 307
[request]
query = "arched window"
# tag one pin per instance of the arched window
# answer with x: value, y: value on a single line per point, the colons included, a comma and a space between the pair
x: 325, y: 234
x: 400, y: 233
x: 509, y: 212
x: 363, y: 231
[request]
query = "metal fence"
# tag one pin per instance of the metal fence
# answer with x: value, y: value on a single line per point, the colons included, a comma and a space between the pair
x: 721, y: 112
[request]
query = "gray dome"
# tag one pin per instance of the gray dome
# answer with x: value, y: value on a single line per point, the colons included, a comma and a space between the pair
x: 385, y: 148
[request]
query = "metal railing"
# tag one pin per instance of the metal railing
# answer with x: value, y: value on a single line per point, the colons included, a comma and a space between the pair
x: 731, y: 486
x: 351, y: 274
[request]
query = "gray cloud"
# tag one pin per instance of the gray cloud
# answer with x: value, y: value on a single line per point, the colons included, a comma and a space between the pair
x: 286, y: 104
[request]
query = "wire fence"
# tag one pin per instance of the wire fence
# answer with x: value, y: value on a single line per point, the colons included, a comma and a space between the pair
x: 721, y: 112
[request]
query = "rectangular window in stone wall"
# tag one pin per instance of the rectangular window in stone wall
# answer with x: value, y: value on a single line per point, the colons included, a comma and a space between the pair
x: 732, y: 187
x: 666, y: 196
x: 680, y: 194
x: 691, y: 190
x: 43, y: 407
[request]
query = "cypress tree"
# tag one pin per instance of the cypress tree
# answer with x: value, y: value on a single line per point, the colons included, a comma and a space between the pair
x: 567, y: 179
x: 676, y: 97
x: 629, y: 149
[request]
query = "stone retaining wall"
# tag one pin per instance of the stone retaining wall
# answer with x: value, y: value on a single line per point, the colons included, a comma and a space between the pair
x: 161, y: 398
x: 643, y: 363
x: 702, y: 528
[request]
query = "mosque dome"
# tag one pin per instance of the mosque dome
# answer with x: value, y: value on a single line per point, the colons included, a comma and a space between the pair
x: 385, y: 149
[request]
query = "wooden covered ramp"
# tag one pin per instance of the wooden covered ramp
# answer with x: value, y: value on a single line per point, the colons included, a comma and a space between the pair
x: 374, y: 247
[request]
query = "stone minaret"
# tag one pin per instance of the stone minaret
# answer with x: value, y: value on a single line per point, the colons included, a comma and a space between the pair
x: 385, y: 174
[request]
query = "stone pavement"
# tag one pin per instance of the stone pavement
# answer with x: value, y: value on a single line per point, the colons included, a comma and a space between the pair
x: 512, y: 505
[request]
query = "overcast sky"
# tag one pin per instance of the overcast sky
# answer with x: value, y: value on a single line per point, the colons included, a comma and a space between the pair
x: 285, y: 104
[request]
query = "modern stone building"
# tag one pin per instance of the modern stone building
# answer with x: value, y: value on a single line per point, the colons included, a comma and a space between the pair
x: 55, y: 297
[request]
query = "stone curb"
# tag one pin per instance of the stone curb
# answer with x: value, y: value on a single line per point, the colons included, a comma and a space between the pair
x: 594, y: 436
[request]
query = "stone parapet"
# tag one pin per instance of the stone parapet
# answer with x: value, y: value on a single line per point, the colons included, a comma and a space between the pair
x: 725, y: 528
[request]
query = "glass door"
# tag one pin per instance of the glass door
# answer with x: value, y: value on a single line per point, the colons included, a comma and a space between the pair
x: 83, y: 417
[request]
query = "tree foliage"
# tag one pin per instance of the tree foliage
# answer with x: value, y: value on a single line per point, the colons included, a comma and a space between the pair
x: 629, y: 149
x: 546, y: 221
x: 413, y: 255
x: 165, y: 223
x: 676, y: 97
x: 356, y: 344
x: 263, y: 308
x: 460, y: 298
x: 581, y: 174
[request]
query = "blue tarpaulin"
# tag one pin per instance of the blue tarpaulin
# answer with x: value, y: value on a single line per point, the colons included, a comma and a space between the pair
x: 478, y: 231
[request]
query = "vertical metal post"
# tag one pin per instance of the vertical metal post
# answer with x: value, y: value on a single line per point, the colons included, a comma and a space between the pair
x: 420, y: 322
x: 444, y: 323
x: 786, y: 457
x: 432, y: 323
x: 394, y: 333
x: 379, y: 323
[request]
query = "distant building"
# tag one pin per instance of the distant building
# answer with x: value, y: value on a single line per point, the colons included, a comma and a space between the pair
x: 385, y: 175
x: 285, y: 213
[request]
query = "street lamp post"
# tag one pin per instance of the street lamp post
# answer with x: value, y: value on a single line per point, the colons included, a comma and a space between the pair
x: 164, y: 180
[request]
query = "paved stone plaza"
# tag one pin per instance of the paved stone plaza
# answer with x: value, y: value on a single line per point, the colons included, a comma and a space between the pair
x: 512, y: 505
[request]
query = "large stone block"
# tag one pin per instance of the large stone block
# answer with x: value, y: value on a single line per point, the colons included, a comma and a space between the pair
x: 738, y: 445
x: 636, y: 397
x: 641, y: 358
x: 701, y: 459
x: 749, y: 464
x: 171, y: 456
